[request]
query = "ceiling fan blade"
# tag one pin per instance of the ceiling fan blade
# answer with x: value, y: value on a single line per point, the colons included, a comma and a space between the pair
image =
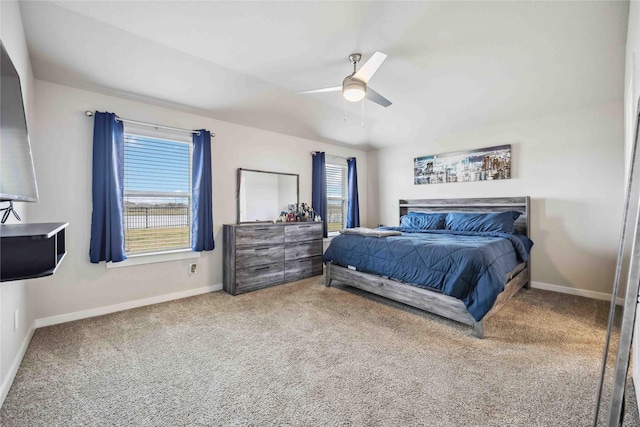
x: 370, y: 67
x: 326, y: 89
x: 374, y: 96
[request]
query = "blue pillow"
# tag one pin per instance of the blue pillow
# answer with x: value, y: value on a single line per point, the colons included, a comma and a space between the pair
x: 501, y: 222
x: 423, y: 221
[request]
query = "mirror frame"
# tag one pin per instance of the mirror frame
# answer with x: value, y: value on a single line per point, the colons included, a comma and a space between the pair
x: 239, y: 177
x: 630, y: 235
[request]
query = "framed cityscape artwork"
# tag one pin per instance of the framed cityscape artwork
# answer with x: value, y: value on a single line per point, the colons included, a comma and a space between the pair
x: 484, y: 164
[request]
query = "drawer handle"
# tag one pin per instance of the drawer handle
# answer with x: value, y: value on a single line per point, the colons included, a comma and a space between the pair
x: 262, y: 268
x: 304, y: 226
x: 260, y: 229
x: 261, y: 249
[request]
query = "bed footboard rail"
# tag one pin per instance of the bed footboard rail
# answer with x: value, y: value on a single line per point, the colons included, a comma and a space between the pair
x: 424, y: 299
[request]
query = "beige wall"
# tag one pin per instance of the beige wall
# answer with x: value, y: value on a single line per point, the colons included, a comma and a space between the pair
x: 62, y: 151
x: 570, y: 164
x: 15, y: 295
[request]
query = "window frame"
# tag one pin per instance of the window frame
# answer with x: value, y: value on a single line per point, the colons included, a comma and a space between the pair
x: 334, y: 161
x: 159, y: 254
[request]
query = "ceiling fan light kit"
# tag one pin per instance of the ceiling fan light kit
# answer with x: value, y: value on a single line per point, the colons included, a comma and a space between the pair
x: 354, y: 86
x: 353, y: 89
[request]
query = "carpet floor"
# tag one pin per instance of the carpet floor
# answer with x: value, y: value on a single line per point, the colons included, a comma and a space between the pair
x: 303, y: 354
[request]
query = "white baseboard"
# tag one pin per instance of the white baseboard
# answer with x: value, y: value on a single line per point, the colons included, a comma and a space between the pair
x: 13, y: 369
x: 99, y: 311
x: 574, y: 291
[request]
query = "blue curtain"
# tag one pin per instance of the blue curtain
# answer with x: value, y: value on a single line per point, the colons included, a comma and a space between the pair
x: 202, y: 193
x: 319, y: 188
x: 107, y: 217
x: 353, y: 207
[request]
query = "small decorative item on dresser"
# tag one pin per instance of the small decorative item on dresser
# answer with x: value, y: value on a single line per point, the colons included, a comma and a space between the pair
x: 305, y: 213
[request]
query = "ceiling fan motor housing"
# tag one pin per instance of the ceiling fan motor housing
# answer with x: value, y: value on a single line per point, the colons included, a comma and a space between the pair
x: 353, y: 89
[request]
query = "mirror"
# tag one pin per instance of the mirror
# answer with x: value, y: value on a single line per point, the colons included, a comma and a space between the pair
x: 262, y: 195
x: 610, y: 404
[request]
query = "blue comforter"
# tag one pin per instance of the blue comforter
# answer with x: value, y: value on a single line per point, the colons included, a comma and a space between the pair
x: 471, y: 266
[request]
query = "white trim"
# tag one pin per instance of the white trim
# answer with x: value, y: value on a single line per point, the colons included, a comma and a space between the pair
x: 13, y: 370
x: 574, y: 291
x: 99, y: 311
x: 335, y: 160
x: 151, y: 133
x: 154, y: 257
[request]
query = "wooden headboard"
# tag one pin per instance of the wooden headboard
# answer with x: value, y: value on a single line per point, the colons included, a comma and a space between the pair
x: 488, y: 204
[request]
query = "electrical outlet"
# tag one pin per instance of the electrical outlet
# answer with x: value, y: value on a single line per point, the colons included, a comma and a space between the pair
x: 16, y: 320
x: 193, y: 268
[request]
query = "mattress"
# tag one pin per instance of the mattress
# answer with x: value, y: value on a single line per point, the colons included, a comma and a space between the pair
x: 470, y: 266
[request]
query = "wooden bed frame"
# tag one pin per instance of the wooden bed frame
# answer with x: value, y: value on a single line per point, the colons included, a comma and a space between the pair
x: 431, y: 301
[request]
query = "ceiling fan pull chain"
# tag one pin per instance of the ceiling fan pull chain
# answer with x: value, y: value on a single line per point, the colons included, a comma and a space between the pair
x: 363, y: 113
x: 345, y: 111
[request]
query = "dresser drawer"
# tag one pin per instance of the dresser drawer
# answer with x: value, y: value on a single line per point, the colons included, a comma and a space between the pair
x: 303, y: 231
x: 252, y: 256
x: 259, y: 235
x: 302, y: 249
x: 257, y: 255
x: 301, y: 268
x: 257, y: 277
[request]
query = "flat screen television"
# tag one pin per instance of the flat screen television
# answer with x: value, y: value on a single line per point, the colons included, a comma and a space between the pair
x: 17, y: 175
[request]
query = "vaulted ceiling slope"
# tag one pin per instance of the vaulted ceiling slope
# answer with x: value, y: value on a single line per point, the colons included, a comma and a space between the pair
x: 452, y: 66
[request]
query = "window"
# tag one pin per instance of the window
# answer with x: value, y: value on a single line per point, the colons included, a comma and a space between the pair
x: 336, y: 196
x: 157, y: 194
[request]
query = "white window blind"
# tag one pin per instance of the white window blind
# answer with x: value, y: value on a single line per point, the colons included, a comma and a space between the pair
x: 157, y: 194
x: 336, y: 196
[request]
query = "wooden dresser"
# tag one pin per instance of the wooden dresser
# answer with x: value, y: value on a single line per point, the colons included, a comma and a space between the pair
x: 260, y: 255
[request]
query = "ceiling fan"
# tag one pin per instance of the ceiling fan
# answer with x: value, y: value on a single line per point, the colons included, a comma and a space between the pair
x: 354, y: 86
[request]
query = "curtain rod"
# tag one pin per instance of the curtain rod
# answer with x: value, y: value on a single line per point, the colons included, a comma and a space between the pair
x: 313, y: 153
x: 120, y: 119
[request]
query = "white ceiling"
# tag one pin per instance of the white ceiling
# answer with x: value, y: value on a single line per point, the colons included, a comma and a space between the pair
x: 452, y: 66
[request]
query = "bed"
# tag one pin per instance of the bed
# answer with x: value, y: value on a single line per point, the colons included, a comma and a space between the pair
x: 462, y: 274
